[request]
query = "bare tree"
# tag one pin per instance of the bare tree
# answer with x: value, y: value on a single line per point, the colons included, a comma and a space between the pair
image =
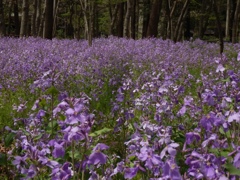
x: 2, y: 22
x: 127, y: 19
x: 48, y: 25
x: 24, y: 19
x: 235, y: 23
x: 120, y: 20
x: 152, y: 29
x: 16, y: 17
x: 88, y: 9
x: 180, y: 19
x: 227, y: 18
x: 34, y: 16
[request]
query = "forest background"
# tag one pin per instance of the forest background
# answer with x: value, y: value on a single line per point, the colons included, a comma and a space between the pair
x: 87, y: 19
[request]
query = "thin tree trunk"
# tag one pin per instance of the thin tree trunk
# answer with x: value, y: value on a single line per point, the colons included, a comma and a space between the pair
x: 180, y: 19
x: 133, y: 19
x: 170, y: 11
x: 16, y: 18
x: 24, y: 19
x: 9, y: 17
x: 120, y: 21
x: 216, y: 12
x: 34, y: 15
x: 56, y: 4
x: 235, y: 23
x: 113, y: 17
x: 152, y: 30
x: 48, y: 25
x: 227, y: 19
x: 146, y: 15
x: 41, y: 24
x: 127, y: 19
x: 39, y: 14
x: 2, y: 22
x: 137, y: 19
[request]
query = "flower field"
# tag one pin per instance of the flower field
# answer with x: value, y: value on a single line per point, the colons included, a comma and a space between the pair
x: 121, y: 109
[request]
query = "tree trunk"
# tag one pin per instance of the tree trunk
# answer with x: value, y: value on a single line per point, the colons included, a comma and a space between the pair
x: 133, y: 19
x: 180, y: 19
x: 2, y: 22
x: 235, y: 23
x: 16, y: 18
x: 56, y: 4
x: 48, y: 25
x: 127, y: 19
x: 170, y: 10
x: 34, y: 15
x: 227, y: 19
x: 24, y: 19
x: 146, y: 15
x: 216, y: 12
x: 39, y: 14
x: 9, y: 18
x: 120, y: 21
x: 41, y: 24
x: 152, y: 29
x: 113, y: 17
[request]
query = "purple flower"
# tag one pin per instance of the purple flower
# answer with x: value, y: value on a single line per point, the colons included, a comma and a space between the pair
x: 170, y: 149
x: 130, y: 173
x: 97, y: 158
x: 58, y: 150
x: 146, y: 155
x: 191, y: 137
x: 171, y: 170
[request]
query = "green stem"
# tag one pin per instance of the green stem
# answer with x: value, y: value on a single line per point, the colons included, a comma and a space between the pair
x: 73, y: 160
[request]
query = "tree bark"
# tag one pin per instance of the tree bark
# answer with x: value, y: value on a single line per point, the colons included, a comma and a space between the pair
x: 133, y: 19
x: 127, y: 19
x: 152, y: 29
x: 48, y: 25
x: 235, y: 23
x: 120, y: 20
x: 24, y: 19
x: 216, y: 12
x: 227, y: 19
x: 16, y: 18
x: 34, y: 15
x: 146, y: 15
x: 170, y: 10
x: 180, y: 19
x: 2, y: 22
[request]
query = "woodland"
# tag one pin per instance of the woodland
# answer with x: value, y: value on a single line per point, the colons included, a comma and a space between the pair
x: 87, y: 19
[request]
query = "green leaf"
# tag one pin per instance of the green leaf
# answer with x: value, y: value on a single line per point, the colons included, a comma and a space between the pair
x: 232, y: 169
x: 3, y: 159
x: 8, y: 139
x: 52, y: 90
x: 100, y: 132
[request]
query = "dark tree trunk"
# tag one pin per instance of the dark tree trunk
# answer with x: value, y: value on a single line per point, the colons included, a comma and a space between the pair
x: 48, y: 25
x: 34, y: 15
x: 235, y: 23
x: 187, y: 33
x: 127, y: 19
x: 216, y: 12
x: 120, y: 21
x: 146, y: 15
x: 133, y: 19
x: 9, y: 28
x: 24, y: 19
x: 180, y: 19
x: 152, y: 29
x: 16, y: 18
x: 2, y: 22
